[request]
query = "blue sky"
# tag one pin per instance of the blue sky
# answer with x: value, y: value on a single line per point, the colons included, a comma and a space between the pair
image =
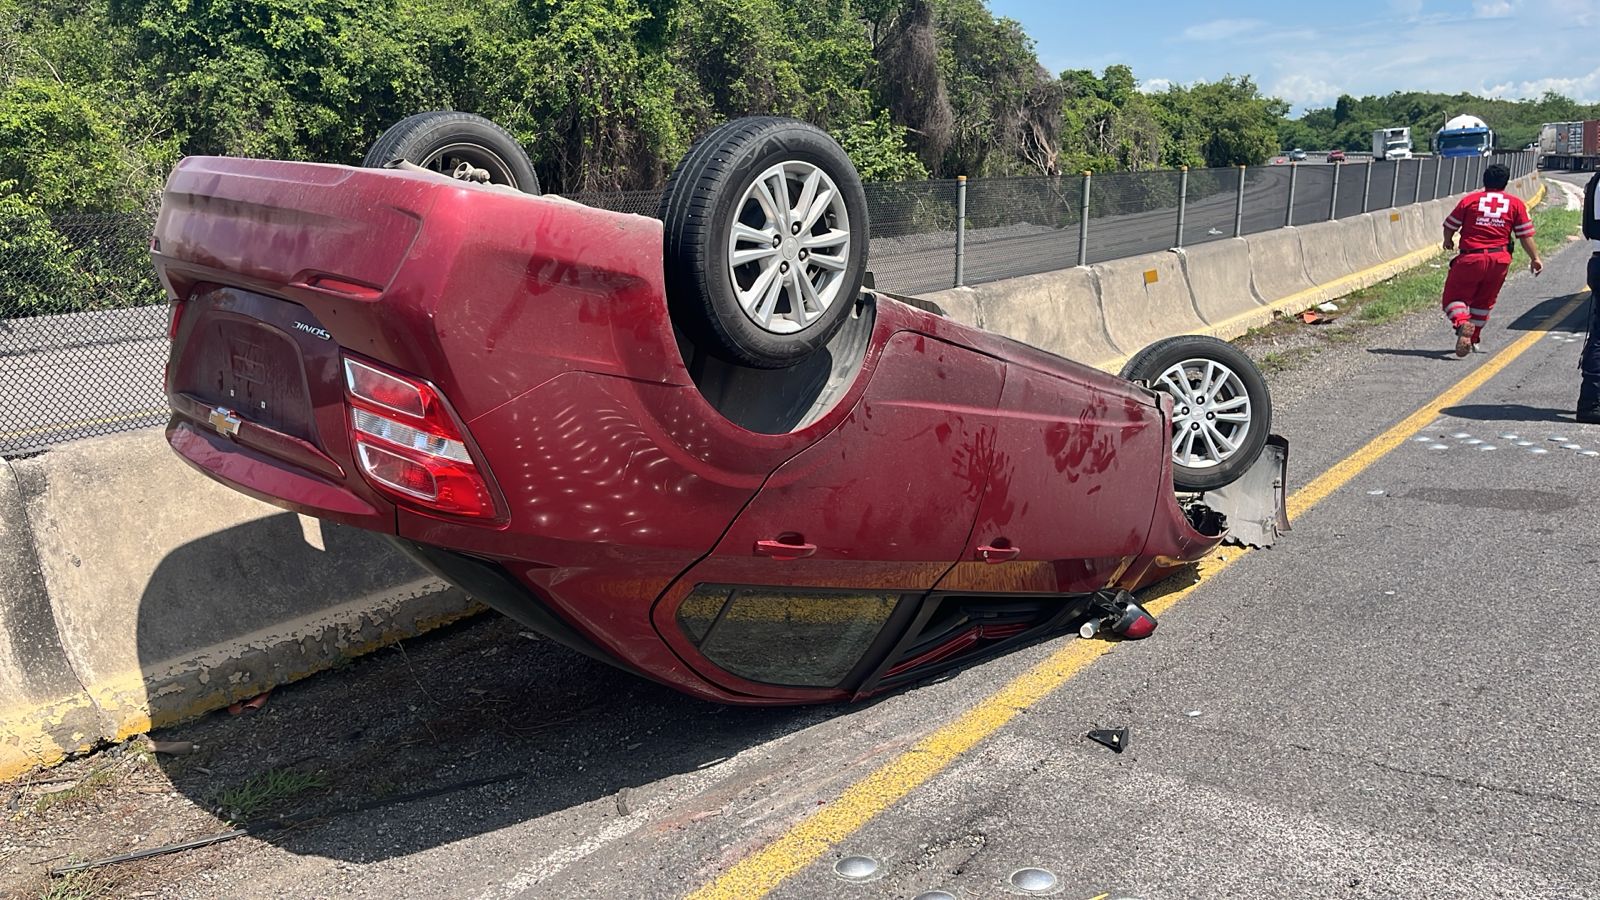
x: 1310, y: 52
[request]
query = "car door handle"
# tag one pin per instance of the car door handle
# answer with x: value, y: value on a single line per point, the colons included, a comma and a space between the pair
x: 992, y: 554
x: 782, y: 550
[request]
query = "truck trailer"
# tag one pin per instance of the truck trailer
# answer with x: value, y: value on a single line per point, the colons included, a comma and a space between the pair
x: 1570, y: 146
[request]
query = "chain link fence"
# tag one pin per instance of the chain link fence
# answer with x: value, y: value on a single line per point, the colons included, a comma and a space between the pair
x: 82, y: 327
x: 83, y: 323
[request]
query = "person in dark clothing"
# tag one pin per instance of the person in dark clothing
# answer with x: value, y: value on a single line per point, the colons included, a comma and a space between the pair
x: 1589, y: 361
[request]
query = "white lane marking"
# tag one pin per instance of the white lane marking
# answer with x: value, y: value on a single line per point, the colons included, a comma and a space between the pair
x: 685, y: 785
x: 1573, y: 192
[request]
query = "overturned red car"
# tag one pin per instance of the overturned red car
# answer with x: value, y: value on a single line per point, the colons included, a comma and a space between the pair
x: 693, y: 446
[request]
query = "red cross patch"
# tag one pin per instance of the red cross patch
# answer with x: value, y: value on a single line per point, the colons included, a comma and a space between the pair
x: 1495, y: 206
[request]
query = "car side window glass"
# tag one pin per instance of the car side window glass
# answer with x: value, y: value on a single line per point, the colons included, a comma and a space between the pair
x: 785, y: 637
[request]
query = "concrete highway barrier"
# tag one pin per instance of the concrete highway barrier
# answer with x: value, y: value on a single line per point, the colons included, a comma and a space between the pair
x: 1277, y: 265
x: 1416, y: 229
x: 1394, y: 237
x: 135, y: 592
x: 1218, y: 274
x: 1060, y: 311
x: 1145, y: 298
x: 158, y: 594
x: 44, y: 710
x: 1360, y: 241
x: 1323, y: 247
x: 1233, y: 285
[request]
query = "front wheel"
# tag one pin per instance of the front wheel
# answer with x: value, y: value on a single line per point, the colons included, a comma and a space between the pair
x: 1221, y: 410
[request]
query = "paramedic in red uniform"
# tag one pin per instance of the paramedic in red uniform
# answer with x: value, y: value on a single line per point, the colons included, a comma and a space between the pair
x: 1487, y: 220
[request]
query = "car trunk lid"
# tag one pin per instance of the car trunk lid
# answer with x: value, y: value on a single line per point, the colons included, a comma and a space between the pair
x: 275, y: 268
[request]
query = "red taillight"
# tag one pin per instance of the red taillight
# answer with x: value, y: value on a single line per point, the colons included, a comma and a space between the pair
x: 389, y: 392
x: 407, y: 443
x: 174, y: 314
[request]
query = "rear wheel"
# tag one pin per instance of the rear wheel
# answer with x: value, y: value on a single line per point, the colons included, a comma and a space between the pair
x: 766, y: 240
x: 1221, y: 411
x: 457, y: 144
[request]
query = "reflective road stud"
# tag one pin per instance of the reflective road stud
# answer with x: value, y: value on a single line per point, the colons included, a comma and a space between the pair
x: 856, y: 868
x: 1034, y: 880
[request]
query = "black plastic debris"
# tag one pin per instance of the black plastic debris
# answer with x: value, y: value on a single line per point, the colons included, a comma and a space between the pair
x: 1115, y: 738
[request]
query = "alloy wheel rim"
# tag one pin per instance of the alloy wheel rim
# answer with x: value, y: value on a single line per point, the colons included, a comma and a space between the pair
x: 789, y: 247
x: 1211, y: 412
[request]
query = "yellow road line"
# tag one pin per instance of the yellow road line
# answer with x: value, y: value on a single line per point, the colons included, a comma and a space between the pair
x: 1352, y: 465
x: 63, y: 426
x: 814, y: 835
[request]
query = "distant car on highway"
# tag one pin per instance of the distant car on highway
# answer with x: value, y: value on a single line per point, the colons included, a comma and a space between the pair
x: 1336, y: 156
x: 1297, y: 155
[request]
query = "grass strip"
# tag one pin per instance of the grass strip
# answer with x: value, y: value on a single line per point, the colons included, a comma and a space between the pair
x: 266, y: 791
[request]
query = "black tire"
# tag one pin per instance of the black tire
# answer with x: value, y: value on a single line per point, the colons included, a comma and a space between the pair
x: 703, y: 200
x: 1151, y: 363
x: 440, y: 139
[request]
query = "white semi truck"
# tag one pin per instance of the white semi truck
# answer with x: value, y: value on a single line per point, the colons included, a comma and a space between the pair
x: 1391, y: 143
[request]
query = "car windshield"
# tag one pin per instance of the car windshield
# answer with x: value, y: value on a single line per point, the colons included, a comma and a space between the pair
x: 1478, y: 141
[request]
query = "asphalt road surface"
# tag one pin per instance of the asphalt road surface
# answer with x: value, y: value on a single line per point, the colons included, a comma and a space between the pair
x: 1401, y: 699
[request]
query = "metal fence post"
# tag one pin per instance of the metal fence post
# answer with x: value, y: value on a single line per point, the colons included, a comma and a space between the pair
x: 1453, y: 160
x: 1333, y: 201
x: 1238, y: 207
x: 1288, y: 212
x: 1438, y: 169
x: 1394, y: 186
x: 1417, y: 196
x: 1183, y: 201
x: 1083, y: 221
x: 961, y: 229
x: 1366, y: 187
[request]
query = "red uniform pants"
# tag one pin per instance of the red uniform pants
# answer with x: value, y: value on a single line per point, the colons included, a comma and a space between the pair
x: 1472, y: 287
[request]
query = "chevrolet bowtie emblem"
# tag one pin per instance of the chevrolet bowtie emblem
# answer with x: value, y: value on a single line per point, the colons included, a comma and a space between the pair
x: 225, y: 421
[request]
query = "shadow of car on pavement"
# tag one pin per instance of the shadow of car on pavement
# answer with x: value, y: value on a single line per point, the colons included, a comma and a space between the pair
x: 1510, y: 412
x: 473, y: 728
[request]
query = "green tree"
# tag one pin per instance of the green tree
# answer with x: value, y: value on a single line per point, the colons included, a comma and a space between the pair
x: 878, y: 147
x: 1227, y: 122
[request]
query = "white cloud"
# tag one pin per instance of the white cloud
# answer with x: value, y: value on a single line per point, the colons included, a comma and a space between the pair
x: 1221, y: 29
x: 1305, y: 90
x: 1492, y: 9
x: 1154, y: 85
x: 1517, y: 57
x: 1582, y: 88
